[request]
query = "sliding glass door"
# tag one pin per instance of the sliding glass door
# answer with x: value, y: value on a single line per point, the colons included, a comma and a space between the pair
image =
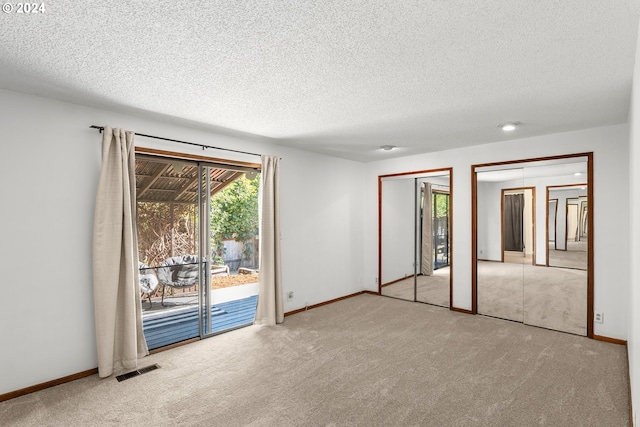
x: 230, y: 240
x: 186, y: 275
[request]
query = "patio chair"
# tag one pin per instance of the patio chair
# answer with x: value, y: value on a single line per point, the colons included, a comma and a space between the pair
x: 178, y: 272
x: 148, y: 280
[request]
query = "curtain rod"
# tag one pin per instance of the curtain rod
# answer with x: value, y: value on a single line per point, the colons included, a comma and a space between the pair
x: 204, y: 147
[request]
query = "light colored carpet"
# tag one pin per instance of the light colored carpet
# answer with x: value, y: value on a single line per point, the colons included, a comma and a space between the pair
x: 500, y: 290
x: 364, y: 361
x: 554, y: 298
x: 574, y: 257
x: 433, y: 289
x: 517, y: 257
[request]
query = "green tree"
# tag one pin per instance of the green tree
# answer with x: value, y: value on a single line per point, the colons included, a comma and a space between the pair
x: 442, y: 205
x: 234, y: 212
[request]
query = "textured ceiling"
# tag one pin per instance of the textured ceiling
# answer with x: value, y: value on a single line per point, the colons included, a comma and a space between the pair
x: 334, y: 76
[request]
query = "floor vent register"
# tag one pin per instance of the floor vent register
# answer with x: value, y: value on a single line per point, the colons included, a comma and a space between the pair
x: 137, y: 372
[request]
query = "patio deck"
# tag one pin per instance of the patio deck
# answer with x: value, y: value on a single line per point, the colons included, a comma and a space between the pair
x: 164, y: 327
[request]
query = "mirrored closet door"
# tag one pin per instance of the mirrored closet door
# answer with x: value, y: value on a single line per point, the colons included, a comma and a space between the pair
x: 415, y: 236
x: 532, y: 242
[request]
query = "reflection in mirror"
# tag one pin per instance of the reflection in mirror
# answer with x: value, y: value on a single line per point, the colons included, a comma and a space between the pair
x: 517, y: 224
x: 552, y: 212
x: 569, y: 247
x: 501, y: 248
x: 415, y: 228
x: 398, y: 237
x: 549, y: 286
x: 433, y: 279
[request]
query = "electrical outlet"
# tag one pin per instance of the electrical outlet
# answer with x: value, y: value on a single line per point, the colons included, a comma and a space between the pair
x: 290, y: 295
x: 376, y: 280
x: 598, y: 317
x: 481, y: 252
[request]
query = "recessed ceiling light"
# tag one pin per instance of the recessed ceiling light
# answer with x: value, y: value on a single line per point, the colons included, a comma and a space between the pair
x: 509, y: 126
x: 577, y: 174
x: 387, y: 147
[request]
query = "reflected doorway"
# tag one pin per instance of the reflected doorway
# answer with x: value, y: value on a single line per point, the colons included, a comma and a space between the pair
x: 518, y: 225
x: 568, y: 226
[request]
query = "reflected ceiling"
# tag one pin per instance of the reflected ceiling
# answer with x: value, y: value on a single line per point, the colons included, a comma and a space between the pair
x: 553, y: 168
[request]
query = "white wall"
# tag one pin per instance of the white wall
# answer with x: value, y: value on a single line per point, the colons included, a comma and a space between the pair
x: 321, y: 216
x: 48, y: 175
x: 611, y: 174
x: 633, y: 339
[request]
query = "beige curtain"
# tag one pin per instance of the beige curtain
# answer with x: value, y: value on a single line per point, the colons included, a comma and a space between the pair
x: 427, y: 230
x: 118, y: 313
x: 270, y: 308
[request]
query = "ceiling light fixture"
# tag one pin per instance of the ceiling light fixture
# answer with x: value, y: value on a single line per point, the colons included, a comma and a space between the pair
x: 387, y: 147
x: 577, y: 174
x: 509, y: 126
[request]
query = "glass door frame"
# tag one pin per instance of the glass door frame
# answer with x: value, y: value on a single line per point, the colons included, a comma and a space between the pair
x: 204, y: 184
x: 205, y: 293
x: 204, y: 251
x: 447, y: 195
